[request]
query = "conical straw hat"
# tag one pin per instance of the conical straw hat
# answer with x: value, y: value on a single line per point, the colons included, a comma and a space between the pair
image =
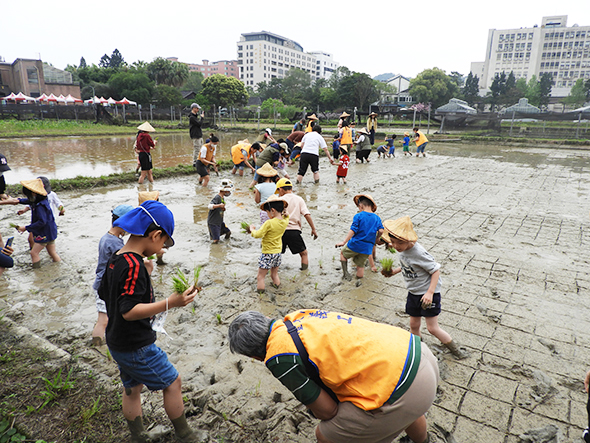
x: 267, y: 171
x: 35, y: 185
x: 312, y: 117
x: 148, y: 195
x: 357, y: 198
x: 344, y: 115
x: 401, y: 228
x: 146, y: 127
x: 274, y: 198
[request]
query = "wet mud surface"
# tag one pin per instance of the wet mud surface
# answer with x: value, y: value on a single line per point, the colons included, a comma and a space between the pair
x: 509, y: 226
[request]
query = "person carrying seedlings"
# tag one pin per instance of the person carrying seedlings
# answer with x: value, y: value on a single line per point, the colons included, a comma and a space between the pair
x: 42, y: 225
x: 421, y: 142
x: 239, y: 156
x: 364, y: 231
x: 207, y: 159
x: 406, y: 144
x: 144, y: 145
x: 109, y: 243
x: 296, y: 208
x: 422, y: 277
x: 216, y: 210
x: 365, y: 381
x: 267, y: 178
x: 363, y: 146
x: 271, y: 233
x: 127, y: 292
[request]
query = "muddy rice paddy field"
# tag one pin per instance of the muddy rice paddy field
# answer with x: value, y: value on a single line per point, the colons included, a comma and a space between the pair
x: 510, y: 227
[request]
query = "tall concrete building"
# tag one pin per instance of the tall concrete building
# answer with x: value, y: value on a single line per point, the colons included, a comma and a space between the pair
x: 552, y: 47
x: 263, y: 56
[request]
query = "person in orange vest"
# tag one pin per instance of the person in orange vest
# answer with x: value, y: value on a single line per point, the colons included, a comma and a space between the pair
x: 365, y: 381
x: 421, y: 142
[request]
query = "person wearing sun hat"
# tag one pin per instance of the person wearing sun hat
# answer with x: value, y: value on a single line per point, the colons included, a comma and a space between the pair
x: 42, y: 225
x: 358, y: 245
x: 267, y: 178
x: 195, y: 130
x: 422, y: 277
x: 296, y: 209
x: 3, y: 168
x: 363, y: 146
x: 216, y: 207
x: 271, y: 233
x: 143, y: 146
x: 311, y: 122
x: 372, y: 126
x: 127, y: 292
x: 343, y: 164
x: 343, y: 118
x: 406, y: 144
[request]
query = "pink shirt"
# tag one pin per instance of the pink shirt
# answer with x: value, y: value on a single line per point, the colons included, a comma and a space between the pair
x: 296, y: 209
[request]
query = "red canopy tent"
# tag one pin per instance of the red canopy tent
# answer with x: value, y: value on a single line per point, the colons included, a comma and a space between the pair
x: 9, y: 97
x: 42, y: 98
x: 20, y: 97
x: 52, y: 98
x: 70, y: 99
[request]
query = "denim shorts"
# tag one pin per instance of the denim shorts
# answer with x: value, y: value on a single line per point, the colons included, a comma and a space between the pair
x: 421, y: 147
x: 148, y: 366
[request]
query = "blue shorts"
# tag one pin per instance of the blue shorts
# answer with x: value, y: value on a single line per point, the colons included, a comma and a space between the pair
x: 216, y: 231
x: 421, y: 147
x: 391, y: 150
x: 255, y: 174
x: 240, y: 166
x: 414, y: 306
x: 268, y: 261
x: 148, y: 366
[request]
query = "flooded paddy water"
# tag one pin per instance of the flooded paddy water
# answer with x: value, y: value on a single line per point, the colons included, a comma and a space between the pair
x: 510, y: 227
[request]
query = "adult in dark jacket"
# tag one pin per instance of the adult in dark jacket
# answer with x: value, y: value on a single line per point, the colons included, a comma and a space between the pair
x: 196, y: 130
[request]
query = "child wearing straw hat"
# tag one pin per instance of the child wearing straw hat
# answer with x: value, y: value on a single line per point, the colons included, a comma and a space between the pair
x: 343, y: 164
x: 267, y: 178
x: 406, y: 144
x: 422, y: 277
x: 271, y: 232
x: 358, y: 245
x: 42, y: 225
x: 144, y: 144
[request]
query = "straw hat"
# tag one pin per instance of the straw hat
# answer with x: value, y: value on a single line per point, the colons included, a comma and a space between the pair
x: 363, y: 131
x: 312, y: 117
x: 344, y: 148
x: 267, y: 171
x: 401, y: 228
x: 406, y: 134
x: 35, y: 185
x: 274, y: 198
x: 146, y: 127
x: 357, y: 198
x: 344, y: 115
x: 373, y: 113
x: 147, y: 195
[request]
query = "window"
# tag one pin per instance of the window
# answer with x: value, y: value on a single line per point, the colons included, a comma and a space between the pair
x: 32, y: 75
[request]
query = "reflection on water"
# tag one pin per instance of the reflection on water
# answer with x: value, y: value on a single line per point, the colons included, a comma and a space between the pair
x: 69, y: 157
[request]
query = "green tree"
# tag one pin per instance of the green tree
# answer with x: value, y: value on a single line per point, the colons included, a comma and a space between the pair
x: 135, y: 86
x: 270, y: 89
x: 105, y: 61
x: 82, y: 63
x: 166, y: 72
x: 179, y: 74
x: 577, y: 95
x: 471, y: 89
x: 224, y: 91
x: 165, y: 95
x: 116, y: 60
x: 521, y: 87
x: 587, y: 86
x: 433, y: 86
x: 545, y: 84
x: 533, y: 91
x: 497, y: 89
x: 194, y: 82
x: 511, y: 94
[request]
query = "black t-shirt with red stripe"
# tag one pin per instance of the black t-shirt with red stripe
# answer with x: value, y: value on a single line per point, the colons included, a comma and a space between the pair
x: 125, y: 284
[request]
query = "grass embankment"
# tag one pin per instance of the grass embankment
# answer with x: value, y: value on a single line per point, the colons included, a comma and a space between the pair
x: 80, y: 182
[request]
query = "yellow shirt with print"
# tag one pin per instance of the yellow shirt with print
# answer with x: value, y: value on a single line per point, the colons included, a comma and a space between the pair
x: 271, y: 233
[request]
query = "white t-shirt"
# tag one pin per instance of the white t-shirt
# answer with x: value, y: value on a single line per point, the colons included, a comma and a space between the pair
x: 312, y: 142
x: 203, y: 153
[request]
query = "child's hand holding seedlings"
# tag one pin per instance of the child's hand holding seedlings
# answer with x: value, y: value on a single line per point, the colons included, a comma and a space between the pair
x: 179, y: 300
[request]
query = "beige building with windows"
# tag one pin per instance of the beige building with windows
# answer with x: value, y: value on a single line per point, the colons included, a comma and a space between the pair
x: 263, y: 56
x: 552, y: 47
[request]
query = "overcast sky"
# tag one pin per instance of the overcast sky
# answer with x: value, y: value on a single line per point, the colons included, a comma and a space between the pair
x: 374, y: 37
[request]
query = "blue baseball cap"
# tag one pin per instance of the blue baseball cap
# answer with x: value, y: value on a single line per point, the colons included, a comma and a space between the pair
x: 136, y: 221
x: 120, y: 210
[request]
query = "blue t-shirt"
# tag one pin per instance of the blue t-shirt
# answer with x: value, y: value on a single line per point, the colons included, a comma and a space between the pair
x: 389, y: 142
x: 107, y: 246
x: 406, y: 141
x: 365, y: 226
x: 336, y: 145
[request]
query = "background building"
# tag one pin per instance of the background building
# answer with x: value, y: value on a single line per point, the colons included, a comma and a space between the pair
x: 553, y: 47
x: 263, y: 56
x: 33, y: 78
x: 229, y: 68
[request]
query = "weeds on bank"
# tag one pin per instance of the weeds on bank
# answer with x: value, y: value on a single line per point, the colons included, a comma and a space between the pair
x: 56, y: 387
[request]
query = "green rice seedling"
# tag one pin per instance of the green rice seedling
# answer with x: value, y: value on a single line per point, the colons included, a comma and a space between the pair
x: 218, y: 319
x: 152, y: 257
x: 196, y: 273
x: 387, y: 265
x: 245, y: 227
x: 180, y: 282
x: 13, y: 225
x: 392, y: 250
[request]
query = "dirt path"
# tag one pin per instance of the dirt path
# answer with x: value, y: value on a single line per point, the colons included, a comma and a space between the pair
x: 509, y: 227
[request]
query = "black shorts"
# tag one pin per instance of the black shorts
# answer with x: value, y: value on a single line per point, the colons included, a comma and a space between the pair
x: 293, y: 239
x: 145, y: 160
x: 201, y: 169
x: 306, y: 160
x: 414, y: 306
x: 363, y: 154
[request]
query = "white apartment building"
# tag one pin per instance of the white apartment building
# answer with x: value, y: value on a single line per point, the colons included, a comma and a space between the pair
x: 264, y: 55
x: 553, y: 47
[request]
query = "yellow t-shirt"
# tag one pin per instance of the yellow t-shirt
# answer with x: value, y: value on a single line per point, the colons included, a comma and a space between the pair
x: 271, y: 233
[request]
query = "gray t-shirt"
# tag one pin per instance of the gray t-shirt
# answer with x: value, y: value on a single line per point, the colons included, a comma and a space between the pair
x: 108, y: 245
x: 417, y: 267
x: 215, y: 216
